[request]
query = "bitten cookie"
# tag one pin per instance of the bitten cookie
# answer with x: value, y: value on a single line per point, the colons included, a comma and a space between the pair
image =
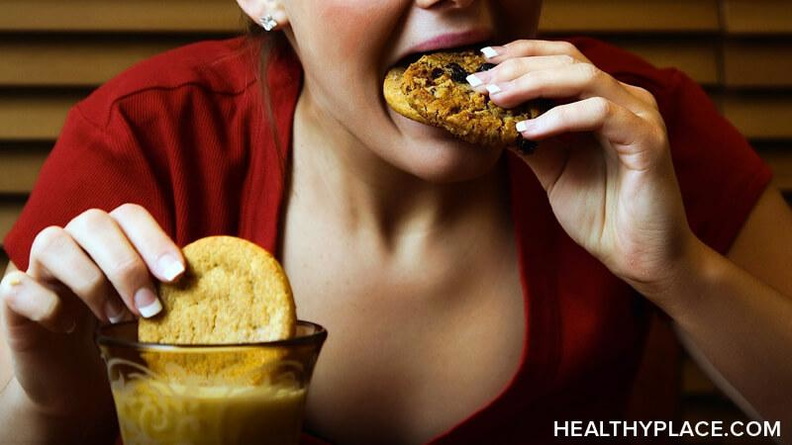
x: 233, y: 291
x: 435, y: 89
x: 396, y: 99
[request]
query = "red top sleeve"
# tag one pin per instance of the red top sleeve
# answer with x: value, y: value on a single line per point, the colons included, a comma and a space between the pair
x: 176, y: 134
x: 88, y: 168
x: 721, y: 176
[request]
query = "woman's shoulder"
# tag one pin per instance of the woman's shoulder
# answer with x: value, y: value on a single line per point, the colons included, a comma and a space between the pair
x: 216, y: 67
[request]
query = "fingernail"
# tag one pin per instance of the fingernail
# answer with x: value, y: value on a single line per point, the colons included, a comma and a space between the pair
x: 10, y: 285
x: 10, y: 282
x: 523, y: 126
x: 526, y: 147
x: 114, y: 310
x: 489, y: 52
x: 147, y: 303
x: 493, y: 89
x: 170, y: 267
x: 474, y: 81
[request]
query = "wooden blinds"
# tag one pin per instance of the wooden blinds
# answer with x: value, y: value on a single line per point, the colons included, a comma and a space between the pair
x: 54, y: 52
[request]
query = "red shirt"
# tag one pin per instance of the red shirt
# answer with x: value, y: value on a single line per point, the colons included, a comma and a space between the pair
x: 184, y: 135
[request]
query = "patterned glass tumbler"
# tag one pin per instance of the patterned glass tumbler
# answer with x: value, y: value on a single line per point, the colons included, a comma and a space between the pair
x: 210, y: 394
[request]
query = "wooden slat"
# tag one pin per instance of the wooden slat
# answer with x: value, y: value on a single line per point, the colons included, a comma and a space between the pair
x: 73, y: 62
x: 757, y: 16
x: 758, y: 64
x: 120, y: 16
x: 630, y: 16
x: 19, y: 167
x: 34, y: 115
x: 91, y: 62
x: 697, y: 58
x: 760, y: 116
x: 9, y: 212
x: 781, y: 163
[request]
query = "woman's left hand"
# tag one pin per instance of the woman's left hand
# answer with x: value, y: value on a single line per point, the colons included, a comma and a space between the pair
x: 603, y: 157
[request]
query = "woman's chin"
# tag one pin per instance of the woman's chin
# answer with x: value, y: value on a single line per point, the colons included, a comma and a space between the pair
x: 435, y: 155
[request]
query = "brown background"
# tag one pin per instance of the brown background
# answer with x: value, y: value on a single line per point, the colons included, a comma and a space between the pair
x: 54, y: 52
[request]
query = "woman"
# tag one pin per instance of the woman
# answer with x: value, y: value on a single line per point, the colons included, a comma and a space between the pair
x: 467, y: 302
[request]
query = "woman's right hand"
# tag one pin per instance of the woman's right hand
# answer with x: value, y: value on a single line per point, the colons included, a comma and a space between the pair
x: 97, y: 269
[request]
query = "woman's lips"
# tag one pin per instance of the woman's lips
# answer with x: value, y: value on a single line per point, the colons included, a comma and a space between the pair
x: 446, y: 41
x: 452, y: 40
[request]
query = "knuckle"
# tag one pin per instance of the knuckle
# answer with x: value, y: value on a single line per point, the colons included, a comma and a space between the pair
x: 567, y: 59
x: 519, y: 43
x: 657, y: 136
x: 92, y: 287
x: 656, y: 119
x: 590, y: 72
x: 89, y: 220
x: 508, y: 69
x: 557, y: 115
x: 601, y: 106
x: 646, y: 96
x: 126, y: 210
x: 49, y: 238
x: 48, y: 312
x: 129, y: 268
x: 567, y: 48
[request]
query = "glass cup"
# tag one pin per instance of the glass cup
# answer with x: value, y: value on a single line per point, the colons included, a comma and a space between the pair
x: 210, y: 394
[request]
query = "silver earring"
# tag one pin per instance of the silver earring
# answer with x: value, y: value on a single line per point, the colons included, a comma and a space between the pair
x: 268, y: 22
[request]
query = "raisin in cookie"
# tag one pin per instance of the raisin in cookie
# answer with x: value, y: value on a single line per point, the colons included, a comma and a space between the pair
x: 434, y: 91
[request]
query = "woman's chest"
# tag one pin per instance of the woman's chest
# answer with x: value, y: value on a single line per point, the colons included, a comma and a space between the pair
x: 412, y: 350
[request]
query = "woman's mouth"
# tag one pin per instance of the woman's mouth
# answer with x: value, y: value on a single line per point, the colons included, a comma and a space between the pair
x: 454, y: 41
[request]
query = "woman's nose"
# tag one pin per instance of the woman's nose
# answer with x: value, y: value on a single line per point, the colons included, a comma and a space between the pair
x: 427, y: 4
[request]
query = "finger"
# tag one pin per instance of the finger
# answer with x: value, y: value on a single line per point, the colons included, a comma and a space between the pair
x: 514, y: 68
x: 104, y: 241
x: 28, y: 300
x: 56, y: 257
x: 523, y: 48
x: 628, y: 134
x: 578, y: 152
x: 579, y: 80
x: 162, y: 256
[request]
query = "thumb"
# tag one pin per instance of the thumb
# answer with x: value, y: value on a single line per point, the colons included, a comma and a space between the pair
x: 30, y: 307
x: 547, y: 161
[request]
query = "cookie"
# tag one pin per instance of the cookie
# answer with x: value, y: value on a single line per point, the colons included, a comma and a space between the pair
x: 436, y: 90
x: 232, y: 292
x: 392, y: 89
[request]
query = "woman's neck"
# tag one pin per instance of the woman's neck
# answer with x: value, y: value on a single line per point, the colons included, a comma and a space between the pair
x: 335, y: 174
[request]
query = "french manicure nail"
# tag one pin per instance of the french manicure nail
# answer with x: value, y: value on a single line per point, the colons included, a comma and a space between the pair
x: 170, y: 267
x: 147, y: 302
x: 522, y: 126
x: 489, y: 52
x: 114, y: 310
x: 474, y: 80
x: 493, y: 89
